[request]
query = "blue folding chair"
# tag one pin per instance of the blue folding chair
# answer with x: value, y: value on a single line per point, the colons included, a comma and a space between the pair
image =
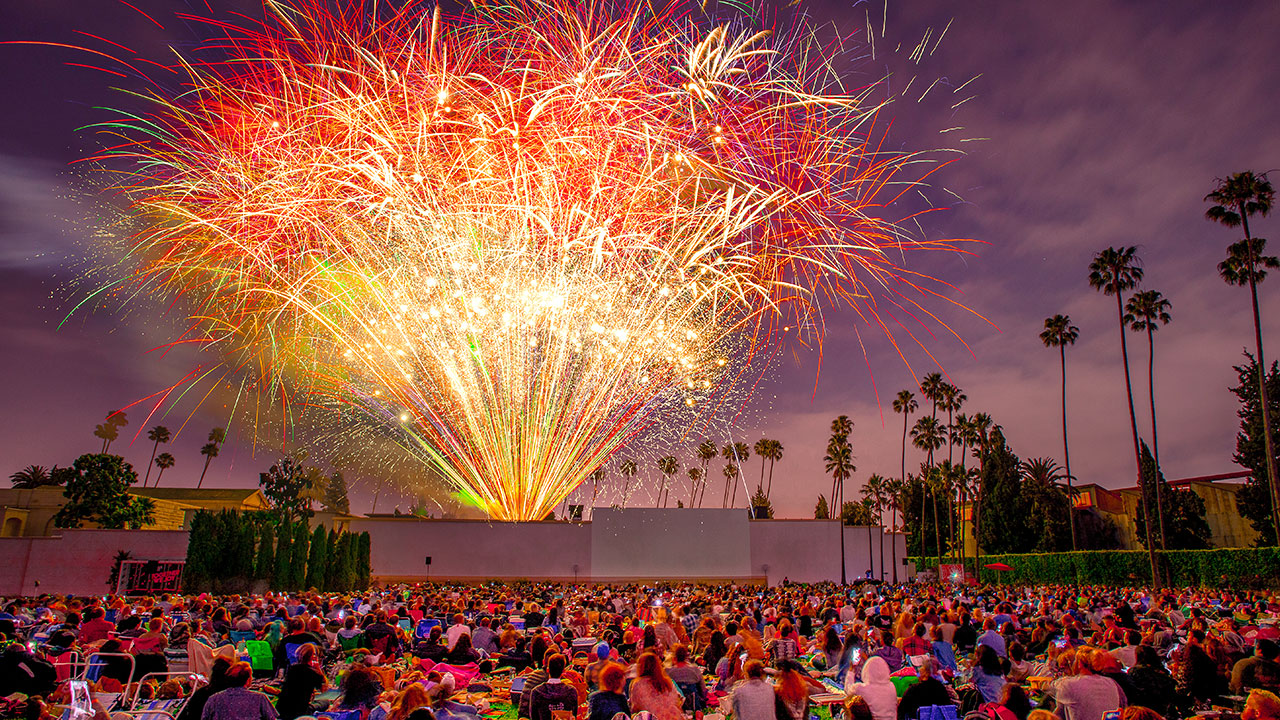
x: 694, y: 701
x: 238, y: 637
x: 424, y: 627
x: 291, y: 652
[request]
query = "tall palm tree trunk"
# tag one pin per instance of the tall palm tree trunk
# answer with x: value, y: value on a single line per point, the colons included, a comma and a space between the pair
x: 893, y: 545
x: 1262, y: 382
x: 871, y: 559
x: 769, y: 490
x: 880, y: 513
x: 1155, y: 436
x: 937, y: 529
x: 207, y: 460
x: 151, y: 462
x: 1137, y: 453
x: 1066, y: 452
x: 951, y: 525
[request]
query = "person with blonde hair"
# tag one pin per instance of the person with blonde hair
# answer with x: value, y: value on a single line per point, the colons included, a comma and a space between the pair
x: 411, y: 698
x: 1087, y: 695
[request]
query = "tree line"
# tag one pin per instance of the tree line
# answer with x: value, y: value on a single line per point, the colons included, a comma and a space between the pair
x: 232, y: 551
x: 1018, y: 506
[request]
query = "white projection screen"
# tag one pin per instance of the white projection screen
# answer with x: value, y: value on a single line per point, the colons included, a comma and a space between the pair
x: 670, y: 544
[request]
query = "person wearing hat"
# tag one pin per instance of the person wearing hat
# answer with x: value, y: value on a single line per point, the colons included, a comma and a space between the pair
x: 594, y: 669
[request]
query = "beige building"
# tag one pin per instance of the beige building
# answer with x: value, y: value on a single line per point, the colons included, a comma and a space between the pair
x: 29, y: 513
x: 1226, y: 526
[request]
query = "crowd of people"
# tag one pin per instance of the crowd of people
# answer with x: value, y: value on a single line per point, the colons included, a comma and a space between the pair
x: 669, y: 652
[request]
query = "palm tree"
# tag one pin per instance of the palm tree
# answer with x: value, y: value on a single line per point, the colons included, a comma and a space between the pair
x: 164, y: 461
x: 1059, y: 332
x: 596, y: 476
x: 730, y: 475
x: 706, y: 453
x: 839, y: 462
x: 627, y: 469
x: 935, y: 482
x: 927, y: 435
x: 932, y: 388
x: 734, y: 454
x: 874, y: 490
x: 1145, y: 312
x: 905, y: 404
x: 951, y: 401
x: 158, y: 434
x: 1113, y: 271
x: 1235, y: 199
x: 695, y: 476
x: 950, y: 481
x: 840, y: 429
x: 210, y: 451
x: 30, y: 477
x: 775, y: 454
x: 982, y: 425
x: 669, y: 466
x: 108, y: 433
x: 762, y: 451
x: 894, y: 490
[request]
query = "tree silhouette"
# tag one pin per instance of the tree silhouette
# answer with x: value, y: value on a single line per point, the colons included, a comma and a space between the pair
x: 1235, y: 200
x: 1112, y: 272
x: 164, y: 461
x: 1059, y: 332
x: 210, y: 451
x: 1145, y: 312
x: 158, y: 434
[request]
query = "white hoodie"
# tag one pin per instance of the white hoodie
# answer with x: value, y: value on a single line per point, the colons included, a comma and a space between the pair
x: 877, y: 690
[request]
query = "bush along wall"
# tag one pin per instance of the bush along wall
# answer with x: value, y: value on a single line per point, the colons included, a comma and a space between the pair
x: 231, y: 551
x: 1222, y: 567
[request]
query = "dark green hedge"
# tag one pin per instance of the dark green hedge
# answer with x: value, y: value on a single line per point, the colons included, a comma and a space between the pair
x: 1225, y: 567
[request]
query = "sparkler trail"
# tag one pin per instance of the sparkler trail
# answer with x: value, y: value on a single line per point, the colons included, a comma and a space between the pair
x: 521, y: 235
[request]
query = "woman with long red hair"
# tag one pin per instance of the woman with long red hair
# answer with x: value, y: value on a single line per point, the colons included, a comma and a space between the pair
x: 653, y: 689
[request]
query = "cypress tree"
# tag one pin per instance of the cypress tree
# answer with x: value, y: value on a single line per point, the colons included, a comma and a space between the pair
x: 284, y: 551
x: 200, y: 552
x: 317, y: 559
x: 342, y: 564
x: 298, y: 557
x: 265, y: 567
x: 363, y: 566
x: 331, y: 568
x: 246, y: 535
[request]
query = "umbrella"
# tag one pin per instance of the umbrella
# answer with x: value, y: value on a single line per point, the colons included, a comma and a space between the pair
x: 998, y: 566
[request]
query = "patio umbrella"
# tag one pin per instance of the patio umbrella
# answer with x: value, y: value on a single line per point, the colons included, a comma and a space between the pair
x: 998, y: 566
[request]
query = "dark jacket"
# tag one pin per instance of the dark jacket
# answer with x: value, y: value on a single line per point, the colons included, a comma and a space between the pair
x: 922, y: 694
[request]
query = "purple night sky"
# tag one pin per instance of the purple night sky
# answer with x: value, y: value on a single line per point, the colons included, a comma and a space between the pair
x: 1107, y: 123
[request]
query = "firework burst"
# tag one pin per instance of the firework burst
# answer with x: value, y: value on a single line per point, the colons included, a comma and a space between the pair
x: 518, y: 236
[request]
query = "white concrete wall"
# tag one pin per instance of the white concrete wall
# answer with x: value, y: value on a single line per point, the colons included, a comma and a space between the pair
x: 620, y: 545
x: 705, y: 544
x: 800, y: 550
x: 79, y: 561
x: 476, y: 549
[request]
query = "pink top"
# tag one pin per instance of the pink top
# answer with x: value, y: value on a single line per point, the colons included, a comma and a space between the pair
x: 663, y: 705
x: 144, y: 644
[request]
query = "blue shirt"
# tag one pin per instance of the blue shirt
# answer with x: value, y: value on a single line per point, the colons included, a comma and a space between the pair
x: 988, y: 685
x: 993, y: 640
x: 945, y: 655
